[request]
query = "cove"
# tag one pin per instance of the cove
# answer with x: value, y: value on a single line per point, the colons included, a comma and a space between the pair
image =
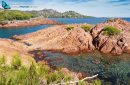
x: 9, y: 32
x: 112, y: 69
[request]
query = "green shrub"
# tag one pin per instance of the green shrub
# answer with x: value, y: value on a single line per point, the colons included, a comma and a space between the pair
x: 55, y: 77
x: 96, y: 82
x: 16, y: 61
x: 69, y: 27
x: 81, y: 83
x: 109, y: 30
x: 17, y: 74
x: 86, y: 27
x: 2, y: 60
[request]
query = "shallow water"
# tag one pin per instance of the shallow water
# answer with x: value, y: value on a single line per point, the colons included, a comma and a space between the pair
x: 112, y: 70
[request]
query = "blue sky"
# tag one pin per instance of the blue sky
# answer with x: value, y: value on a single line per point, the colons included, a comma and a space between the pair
x: 98, y: 8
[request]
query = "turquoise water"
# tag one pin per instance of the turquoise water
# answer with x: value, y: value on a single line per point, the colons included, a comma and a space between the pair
x: 112, y: 70
x: 8, y: 33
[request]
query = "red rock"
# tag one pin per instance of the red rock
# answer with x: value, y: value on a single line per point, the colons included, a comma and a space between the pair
x: 9, y: 48
x: 59, y: 39
x: 116, y: 44
x: 77, y: 40
x: 32, y: 22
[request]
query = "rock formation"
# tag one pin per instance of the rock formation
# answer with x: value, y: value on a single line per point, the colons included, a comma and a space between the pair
x: 24, y: 23
x: 9, y: 48
x: 112, y: 44
x: 76, y: 40
x: 59, y: 39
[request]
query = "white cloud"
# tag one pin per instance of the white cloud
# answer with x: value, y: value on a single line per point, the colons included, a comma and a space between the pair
x: 99, y: 8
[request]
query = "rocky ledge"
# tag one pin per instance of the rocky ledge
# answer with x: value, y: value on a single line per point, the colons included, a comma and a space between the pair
x: 77, y: 40
x: 31, y: 22
x: 10, y: 48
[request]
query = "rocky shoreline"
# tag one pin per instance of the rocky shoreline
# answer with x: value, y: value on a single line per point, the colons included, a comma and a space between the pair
x: 72, y: 41
x: 75, y: 41
x: 25, y: 23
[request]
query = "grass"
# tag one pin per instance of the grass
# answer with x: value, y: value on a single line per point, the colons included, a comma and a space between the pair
x: 86, y: 27
x: 35, y: 74
x: 17, y: 74
x: 109, y: 30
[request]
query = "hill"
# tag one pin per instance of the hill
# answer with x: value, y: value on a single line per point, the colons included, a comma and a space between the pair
x: 50, y: 13
x: 9, y: 15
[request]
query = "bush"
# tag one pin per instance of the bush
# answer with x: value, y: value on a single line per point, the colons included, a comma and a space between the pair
x: 36, y: 73
x: 69, y: 27
x: 16, y: 61
x: 109, y: 30
x: 86, y: 27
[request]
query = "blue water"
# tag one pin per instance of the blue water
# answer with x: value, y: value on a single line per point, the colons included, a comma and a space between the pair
x: 8, y: 33
x: 80, y: 20
x: 83, y: 20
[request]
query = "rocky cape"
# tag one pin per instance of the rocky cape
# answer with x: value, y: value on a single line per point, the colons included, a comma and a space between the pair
x: 24, y: 23
x: 76, y: 40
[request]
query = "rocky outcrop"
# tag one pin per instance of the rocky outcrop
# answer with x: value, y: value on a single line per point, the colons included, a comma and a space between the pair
x: 76, y: 40
x: 59, y: 39
x: 31, y: 22
x: 9, y: 48
x: 116, y: 44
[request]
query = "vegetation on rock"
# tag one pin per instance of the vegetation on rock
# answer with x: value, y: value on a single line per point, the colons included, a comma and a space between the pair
x: 109, y: 30
x: 9, y: 15
x: 86, y: 27
x: 69, y: 27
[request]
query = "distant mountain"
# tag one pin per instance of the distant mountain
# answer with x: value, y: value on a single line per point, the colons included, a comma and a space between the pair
x: 50, y: 13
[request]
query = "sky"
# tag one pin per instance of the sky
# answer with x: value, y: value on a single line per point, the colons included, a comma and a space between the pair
x: 97, y: 8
